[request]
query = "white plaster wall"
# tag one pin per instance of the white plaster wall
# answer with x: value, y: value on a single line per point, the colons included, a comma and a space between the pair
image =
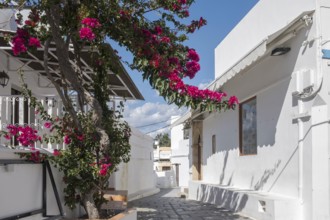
x: 275, y: 168
x: 166, y: 179
x: 180, y: 156
x: 180, y: 153
x: 137, y: 175
x: 21, y: 189
x: 264, y: 19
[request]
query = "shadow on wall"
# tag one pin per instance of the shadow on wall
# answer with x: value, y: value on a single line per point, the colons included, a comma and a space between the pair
x: 222, y: 176
x: 224, y: 198
x: 265, y: 177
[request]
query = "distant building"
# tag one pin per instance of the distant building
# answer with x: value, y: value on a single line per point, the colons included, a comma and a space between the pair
x: 162, y: 158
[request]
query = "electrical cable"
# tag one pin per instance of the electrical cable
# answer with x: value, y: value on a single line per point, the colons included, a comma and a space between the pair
x: 158, y: 129
x: 142, y: 126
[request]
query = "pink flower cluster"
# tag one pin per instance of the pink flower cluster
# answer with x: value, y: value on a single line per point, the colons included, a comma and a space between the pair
x: 173, y: 69
x: 86, y: 32
x: 26, y: 136
x: 22, y: 40
x: 91, y: 22
x: 56, y: 153
x: 233, y: 100
x: 35, y: 156
x: 196, y: 25
x: 192, y: 68
x: 104, y: 169
x: 180, y: 6
x: 48, y: 125
x: 67, y: 139
x: 193, y: 55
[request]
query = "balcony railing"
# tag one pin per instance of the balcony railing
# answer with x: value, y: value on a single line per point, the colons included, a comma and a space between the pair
x: 15, y: 110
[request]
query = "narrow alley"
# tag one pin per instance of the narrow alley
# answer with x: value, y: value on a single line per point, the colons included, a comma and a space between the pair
x: 167, y: 204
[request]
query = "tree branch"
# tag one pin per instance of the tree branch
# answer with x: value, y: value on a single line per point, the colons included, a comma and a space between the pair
x: 67, y: 103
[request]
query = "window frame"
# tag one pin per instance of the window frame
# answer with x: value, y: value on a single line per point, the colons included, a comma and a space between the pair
x: 241, y: 153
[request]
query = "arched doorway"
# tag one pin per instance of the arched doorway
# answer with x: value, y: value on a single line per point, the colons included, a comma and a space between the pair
x: 197, y: 151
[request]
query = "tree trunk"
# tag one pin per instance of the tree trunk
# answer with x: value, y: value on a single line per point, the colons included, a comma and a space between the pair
x: 90, y: 206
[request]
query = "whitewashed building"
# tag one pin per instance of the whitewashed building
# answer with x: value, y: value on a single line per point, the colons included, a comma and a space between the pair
x: 23, y: 191
x: 180, y: 152
x: 269, y: 158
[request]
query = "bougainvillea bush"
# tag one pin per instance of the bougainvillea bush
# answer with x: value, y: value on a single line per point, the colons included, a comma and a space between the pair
x: 153, y: 32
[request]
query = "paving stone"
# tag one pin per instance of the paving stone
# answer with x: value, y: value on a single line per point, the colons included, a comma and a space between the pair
x: 168, y: 205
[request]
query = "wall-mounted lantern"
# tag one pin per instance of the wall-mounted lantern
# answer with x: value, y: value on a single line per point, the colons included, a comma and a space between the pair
x: 4, y: 78
x: 186, y: 128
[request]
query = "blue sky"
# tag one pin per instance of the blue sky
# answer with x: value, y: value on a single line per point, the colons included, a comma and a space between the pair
x: 221, y: 16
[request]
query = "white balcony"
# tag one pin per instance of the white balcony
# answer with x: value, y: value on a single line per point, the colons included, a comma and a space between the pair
x: 15, y: 110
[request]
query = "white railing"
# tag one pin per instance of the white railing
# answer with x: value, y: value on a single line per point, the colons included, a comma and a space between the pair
x: 15, y: 110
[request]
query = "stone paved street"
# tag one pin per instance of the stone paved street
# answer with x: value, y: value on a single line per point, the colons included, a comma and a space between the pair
x: 168, y: 205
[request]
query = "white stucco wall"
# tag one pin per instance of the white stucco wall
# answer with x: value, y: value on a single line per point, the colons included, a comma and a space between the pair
x: 137, y: 176
x: 180, y: 156
x: 265, y: 18
x: 180, y: 153
x: 21, y: 189
x: 274, y: 168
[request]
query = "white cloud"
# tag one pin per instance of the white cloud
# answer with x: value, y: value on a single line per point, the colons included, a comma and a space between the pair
x: 203, y: 85
x: 151, y: 113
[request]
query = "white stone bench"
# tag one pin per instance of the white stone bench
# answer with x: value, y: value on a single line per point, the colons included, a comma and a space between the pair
x: 251, y: 203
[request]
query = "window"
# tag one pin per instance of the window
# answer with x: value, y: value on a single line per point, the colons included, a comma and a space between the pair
x: 214, y: 146
x: 248, y: 127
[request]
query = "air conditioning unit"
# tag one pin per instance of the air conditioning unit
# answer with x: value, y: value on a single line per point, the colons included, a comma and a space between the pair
x: 304, y: 81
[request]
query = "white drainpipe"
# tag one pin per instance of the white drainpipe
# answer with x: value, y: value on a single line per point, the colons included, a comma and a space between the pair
x: 300, y: 150
x: 301, y: 109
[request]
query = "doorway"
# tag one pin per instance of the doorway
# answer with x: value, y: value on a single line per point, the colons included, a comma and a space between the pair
x: 199, y: 158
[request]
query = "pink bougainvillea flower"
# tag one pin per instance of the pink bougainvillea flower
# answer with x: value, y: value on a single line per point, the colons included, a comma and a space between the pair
x: 22, y: 33
x: 192, y: 68
x: 103, y: 172
x: 27, y: 136
x: 104, y: 169
x: 201, y: 22
x: 18, y: 46
x: 158, y: 30
x: 165, y: 40
x: 91, y: 22
x: 67, y: 139
x: 86, y: 33
x: 35, y: 156
x: 233, y: 100
x: 56, y: 153
x: 193, y: 55
x: 34, y: 42
x: 13, y: 130
x: 80, y: 137
x: 48, y: 124
x: 30, y: 23
x: 7, y: 136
